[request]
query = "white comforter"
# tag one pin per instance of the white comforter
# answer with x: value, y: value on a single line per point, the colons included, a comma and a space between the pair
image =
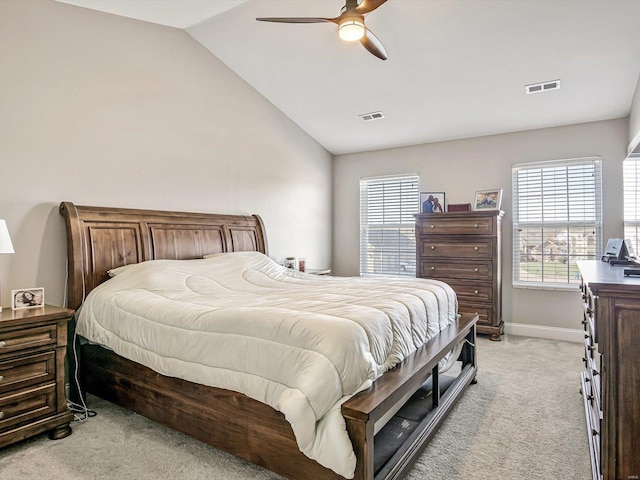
x: 300, y: 343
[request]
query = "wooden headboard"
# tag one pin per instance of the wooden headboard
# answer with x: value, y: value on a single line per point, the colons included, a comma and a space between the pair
x: 99, y: 239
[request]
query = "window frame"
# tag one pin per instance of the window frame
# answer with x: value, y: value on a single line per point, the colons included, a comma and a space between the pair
x: 408, y: 203
x: 567, y: 224
x: 631, y: 185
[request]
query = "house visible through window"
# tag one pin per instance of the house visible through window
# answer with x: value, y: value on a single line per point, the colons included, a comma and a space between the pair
x: 557, y: 220
x: 631, y: 167
x: 387, y: 225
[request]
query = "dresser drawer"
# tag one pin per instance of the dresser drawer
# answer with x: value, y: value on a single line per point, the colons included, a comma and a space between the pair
x: 443, y: 270
x: 485, y: 312
x: 434, y: 246
x: 434, y: 225
x: 16, y: 340
x: 473, y: 292
x: 25, y: 371
x: 26, y: 405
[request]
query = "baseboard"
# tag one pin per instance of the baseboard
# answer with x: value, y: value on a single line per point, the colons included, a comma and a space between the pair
x: 538, y: 331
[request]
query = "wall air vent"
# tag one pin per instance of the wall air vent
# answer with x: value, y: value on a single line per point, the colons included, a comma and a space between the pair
x: 542, y: 87
x: 367, y: 117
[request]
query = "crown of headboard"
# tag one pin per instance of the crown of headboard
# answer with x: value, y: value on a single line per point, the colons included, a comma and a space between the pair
x: 101, y: 238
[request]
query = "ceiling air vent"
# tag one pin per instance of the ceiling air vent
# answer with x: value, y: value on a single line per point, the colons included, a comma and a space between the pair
x: 542, y: 87
x: 367, y: 117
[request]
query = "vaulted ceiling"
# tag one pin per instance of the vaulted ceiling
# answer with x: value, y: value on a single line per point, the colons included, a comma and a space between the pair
x: 456, y: 68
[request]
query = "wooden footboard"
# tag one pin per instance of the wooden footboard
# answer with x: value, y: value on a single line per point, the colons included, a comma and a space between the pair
x: 254, y: 431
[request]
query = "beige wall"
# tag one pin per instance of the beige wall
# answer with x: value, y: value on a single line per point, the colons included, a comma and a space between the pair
x: 461, y: 167
x: 102, y: 110
x: 634, y: 122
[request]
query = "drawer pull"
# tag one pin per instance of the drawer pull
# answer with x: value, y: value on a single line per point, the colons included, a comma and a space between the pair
x: 591, y: 348
x: 3, y: 344
x: 475, y: 269
x: 475, y: 248
x: 433, y: 268
x: 1, y: 415
x: 1, y: 378
x: 433, y: 247
x: 584, y: 322
x: 476, y: 292
x: 594, y: 432
x: 432, y: 226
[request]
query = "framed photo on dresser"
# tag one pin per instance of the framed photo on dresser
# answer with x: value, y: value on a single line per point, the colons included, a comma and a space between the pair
x: 432, y: 202
x: 488, y: 199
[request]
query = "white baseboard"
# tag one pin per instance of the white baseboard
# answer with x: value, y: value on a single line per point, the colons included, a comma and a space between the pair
x: 552, y: 333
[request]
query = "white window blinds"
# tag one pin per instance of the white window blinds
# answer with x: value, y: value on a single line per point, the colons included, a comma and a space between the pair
x: 387, y: 225
x: 557, y: 220
x: 631, y: 175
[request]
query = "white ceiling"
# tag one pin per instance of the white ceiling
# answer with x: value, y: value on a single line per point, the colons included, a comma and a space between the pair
x: 456, y: 68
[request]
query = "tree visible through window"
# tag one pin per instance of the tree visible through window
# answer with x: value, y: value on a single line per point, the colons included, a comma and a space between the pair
x: 557, y: 220
x: 387, y: 225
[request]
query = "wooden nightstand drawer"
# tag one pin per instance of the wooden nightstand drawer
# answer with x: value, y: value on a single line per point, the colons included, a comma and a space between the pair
x: 25, y: 371
x: 26, y: 405
x: 435, y: 225
x: 433, y: 246
x: 15, y: 340
x: 444, y: 270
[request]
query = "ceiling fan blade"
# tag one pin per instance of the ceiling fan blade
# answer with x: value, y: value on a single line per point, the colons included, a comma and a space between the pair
x: 369, y: 6
x: 371, y: 43
x: 297, y: 20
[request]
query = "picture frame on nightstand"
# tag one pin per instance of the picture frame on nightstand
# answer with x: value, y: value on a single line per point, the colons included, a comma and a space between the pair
x: 27, y: 298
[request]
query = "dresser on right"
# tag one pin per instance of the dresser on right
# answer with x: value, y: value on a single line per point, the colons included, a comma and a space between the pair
x: 611, y: 377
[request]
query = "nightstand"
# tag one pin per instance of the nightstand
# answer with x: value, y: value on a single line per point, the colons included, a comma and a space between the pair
x: 32, y: 353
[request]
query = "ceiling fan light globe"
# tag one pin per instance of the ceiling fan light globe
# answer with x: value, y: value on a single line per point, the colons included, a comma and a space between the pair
x: 351, y: 30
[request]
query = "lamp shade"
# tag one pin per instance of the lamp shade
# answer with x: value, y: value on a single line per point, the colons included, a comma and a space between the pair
x: 5, y: 240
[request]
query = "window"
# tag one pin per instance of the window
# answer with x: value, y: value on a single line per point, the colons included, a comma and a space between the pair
x: 557, y: 220
x: 387, y: 225
x: 631, y: 175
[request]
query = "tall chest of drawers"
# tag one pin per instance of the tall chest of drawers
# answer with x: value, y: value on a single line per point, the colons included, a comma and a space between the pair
x: 611, y: 375
x: 464, y: 250
x: 32, y: 355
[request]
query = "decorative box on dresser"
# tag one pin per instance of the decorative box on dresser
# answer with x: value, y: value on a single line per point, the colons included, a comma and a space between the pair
x: 611, y: 378
x: 464, y: 249
x: 32, y: 354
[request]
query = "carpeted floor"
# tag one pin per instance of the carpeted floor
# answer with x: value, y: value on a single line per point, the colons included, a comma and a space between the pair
x: 523, y: 420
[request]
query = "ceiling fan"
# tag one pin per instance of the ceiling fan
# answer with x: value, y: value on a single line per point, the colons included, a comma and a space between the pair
x: 350, y: 23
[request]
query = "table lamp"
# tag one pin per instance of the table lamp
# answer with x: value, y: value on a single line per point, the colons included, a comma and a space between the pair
x: 5, y: 242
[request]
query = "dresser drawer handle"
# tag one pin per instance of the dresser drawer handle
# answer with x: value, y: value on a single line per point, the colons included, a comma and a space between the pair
x: 433, y: 268
x: 433, y: 247
x: 475, y: 269
x: 475, y: 226
x: 1, y: 415
x: 475, y: 248
x: 432, y: 226
x: 476, y: 292
x: 3, y: 344
x: 1, y: 378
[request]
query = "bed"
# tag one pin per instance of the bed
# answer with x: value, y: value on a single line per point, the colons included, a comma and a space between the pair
x: 413, y: 393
